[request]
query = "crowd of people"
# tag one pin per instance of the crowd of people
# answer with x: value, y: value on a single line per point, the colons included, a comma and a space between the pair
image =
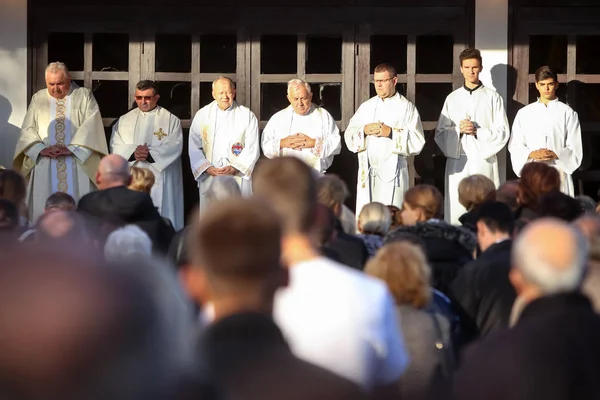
x: 275, y: 289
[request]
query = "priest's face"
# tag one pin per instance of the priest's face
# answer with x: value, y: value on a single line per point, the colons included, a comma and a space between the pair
x: 385, y: 84
x: 224, y: 94
x: 58, y: 84
x: 300, y: 99
x: 470, y: 69
x: 547, y: 88
x: 146, y: 99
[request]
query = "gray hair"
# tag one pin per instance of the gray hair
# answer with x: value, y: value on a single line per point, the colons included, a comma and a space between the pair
x: 530, y: 259
x: 222, y: 188
x: 223, y: 78
x: 375, y: 218
x: 127, y: 243
x: 57, y: 66
x: 295, y: 83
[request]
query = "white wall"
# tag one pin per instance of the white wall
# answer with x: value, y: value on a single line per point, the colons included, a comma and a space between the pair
x: 13, y: 79
x: 491, y: 37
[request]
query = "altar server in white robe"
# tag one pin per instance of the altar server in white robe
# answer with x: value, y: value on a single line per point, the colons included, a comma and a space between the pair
x: 471, y: 130
x: 384, y: 131
x: 547, y: 131
x: 303, y: 130
x: 151, y: 137
x: 223, y: 140
x: 62, y: 140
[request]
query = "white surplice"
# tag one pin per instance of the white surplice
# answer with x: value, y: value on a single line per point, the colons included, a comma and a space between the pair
x: 554, y: 127
x: 74, y: 122
x: 467, y: 154
x: 161, y: 132
x: 220, y: 138
x: 318, y: 124
x: 383, y: 162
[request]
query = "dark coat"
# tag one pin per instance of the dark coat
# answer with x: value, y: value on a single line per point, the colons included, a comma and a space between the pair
x: 483, y: 293
x: 552, y: 353
x: 351, y: 249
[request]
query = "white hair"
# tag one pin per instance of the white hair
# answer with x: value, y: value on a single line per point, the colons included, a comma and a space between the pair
x: 57, y: 66
x: 221, y: 188
x: 126, y: 243
x: 223, y: 78
x: 375, y: 218
x: 530, y: 259
x: 295, y: 83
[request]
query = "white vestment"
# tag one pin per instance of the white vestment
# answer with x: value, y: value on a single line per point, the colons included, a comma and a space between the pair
x: 161, y: 132
x: 383, y: 162
x: 74, y: 122
x: 318, y: 124
x: 554, y: 127
x: 467, y: 154
x: 221, y: 138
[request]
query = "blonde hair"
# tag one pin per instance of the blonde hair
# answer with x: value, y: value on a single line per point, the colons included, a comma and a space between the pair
x: 374, y: 218
x: 404, y: 268
x: 475, y: 190
x: 426, y: 197
x: 142, y: 179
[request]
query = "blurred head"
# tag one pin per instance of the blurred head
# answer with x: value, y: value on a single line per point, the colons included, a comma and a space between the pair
x: 474, y: 190
x: 223, y: 91
x: 60, y: 201
x: 12, y: 186
x: 546, y: 82
x: 589, y: 226
x: 471, y: 65
x: 403, y: 267
x: 222, y: 188
x: 395, y: 215
x: 9, y: 217
x: 299, y: 96
x: 142, y: 179
x: 587, y: 204
x: 113, y: 171
x: 58, y: 80
x: 146, y: 95
x: 385, y: 79
x: 374, y: 219
x: 421, y: 203
x: 495, y: 222
x: 549, y: 257
x: 559, y: 205
x: 128, y: 243
x: 332, y: 192
x: 324, y: 226
x: 507, y: 194
x: 235, y: 251
x: 63, y: 229
x: 536, y: 180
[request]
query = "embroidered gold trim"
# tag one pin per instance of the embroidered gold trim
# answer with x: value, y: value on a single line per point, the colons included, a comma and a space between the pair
x: 59, y: 135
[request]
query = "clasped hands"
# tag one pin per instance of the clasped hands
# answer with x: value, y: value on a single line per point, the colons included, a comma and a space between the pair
x: 141, y: 152
x: 56, y: 151
x: 378, y: 129
x: 297, y: 141
x: 543, y: 155
x: 228, y: 170
x: 467, y: 127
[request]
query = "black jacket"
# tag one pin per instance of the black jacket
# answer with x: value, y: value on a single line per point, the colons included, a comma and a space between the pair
x: 351, y: 249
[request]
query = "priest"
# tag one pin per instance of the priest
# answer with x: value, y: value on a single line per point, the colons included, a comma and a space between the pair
x: 223, y: 140
x: 384, y: 131
x: 547, y: 131
x: 471, y: 130
x: 151, y: 137
x: 61, y: 142
x: 303, y: 130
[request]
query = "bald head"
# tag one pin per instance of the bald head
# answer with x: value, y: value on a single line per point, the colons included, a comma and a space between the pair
x: 550, y: 256
x: 113, y: 171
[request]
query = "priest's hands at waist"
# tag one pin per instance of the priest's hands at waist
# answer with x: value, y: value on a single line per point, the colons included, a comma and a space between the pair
x: 467, y: 127
x: 378, y: 129
x: 56, y: 151
x: 228, y: 170
x: 297, y: 141
x: 141, y: 152
x: 543, y: 155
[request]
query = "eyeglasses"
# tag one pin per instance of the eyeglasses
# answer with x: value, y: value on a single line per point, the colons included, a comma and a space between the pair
x: 383, y: 80
x: 147, y: 98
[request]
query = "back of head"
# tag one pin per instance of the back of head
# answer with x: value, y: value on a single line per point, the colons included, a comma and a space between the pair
x: 507, y: 194
x: 127, y: 243
x: 551, y: 256
x: 374, y: 218
x: 325, y: 225
x: 536, y: 180
x: 559, y: 205
x: 12, y: 186
x: 9, y: 216
x: 331, y: 191
x: 587, y: 204
x: 113, y: 171
x: 475, y: 190
x: 60, y: 201
x: 142, y: 179
x: 589, y: 226
x: 496, y: 216
x: 66, y: 229
x: 222, y: 188
x: 426, y: 197
x: 287, y: 184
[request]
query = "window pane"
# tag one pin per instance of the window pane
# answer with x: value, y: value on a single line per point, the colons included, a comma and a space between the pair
x: 328, y: 96
x: 67, y: 48
x: 587, y: 99
x: 173, y: 53
x: 218, y: 53
x: 400, y: 88
x: 430, y: 99
x: 272, y: 99
x: 110, y: 52
x: 561, y: 92
x: 278, y: 54
x: 435, y: 54
x: 550, y: 51
x: 389, y: 49
x: 587, y: 55
x: 112, y: 97
x: 78, y: 82
x: 176, y: 97
x: 205, y: 93
x: 323, y: 55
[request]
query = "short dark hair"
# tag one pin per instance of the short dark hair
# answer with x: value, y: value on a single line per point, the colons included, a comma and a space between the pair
x: 9, y: 215
x: 545, y: 72
x: 470, y: 53
x: 147, y: 84
x: 559, y: 205
x: 496, y: 216
x: 386, y: 67
x: 59, y: 200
